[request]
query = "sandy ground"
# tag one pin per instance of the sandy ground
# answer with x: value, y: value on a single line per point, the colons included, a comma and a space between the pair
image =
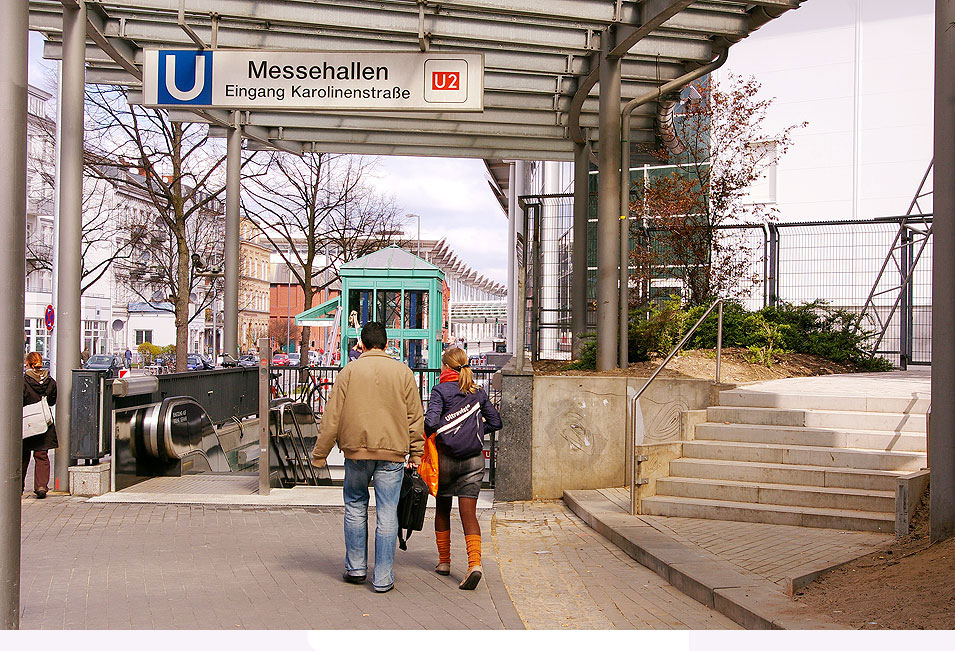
x: 909, y: 584
x: 702, y: 364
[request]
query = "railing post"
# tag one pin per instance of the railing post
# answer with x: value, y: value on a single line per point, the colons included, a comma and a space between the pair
x: 719, y: 340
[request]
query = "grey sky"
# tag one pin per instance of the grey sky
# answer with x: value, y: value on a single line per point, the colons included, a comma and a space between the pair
x: 451, y: 195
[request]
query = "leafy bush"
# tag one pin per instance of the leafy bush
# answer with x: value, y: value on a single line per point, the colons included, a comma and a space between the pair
x: 148, y: 352
x: 812, y: 328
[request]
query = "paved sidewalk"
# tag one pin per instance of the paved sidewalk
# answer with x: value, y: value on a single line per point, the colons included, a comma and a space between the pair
x: 742, y: 570
x: 561, y: 574
x: 780, y: 553
x: 90, y: 565
x: 149, y: 566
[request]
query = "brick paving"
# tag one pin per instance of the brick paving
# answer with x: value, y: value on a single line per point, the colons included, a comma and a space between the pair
x: 563, y: 575
x: 147, y: 566
x: 159, y: 566
x: 776, y: 552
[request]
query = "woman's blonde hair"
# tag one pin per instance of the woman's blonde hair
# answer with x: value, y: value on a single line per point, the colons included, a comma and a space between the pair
x: 34, y: 360
x: 457, y: 360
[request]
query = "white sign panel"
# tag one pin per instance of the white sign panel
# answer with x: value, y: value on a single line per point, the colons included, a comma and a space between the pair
x: 367, y: 81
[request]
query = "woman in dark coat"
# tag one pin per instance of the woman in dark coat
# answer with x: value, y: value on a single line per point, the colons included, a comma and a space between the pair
x: 38, y: 385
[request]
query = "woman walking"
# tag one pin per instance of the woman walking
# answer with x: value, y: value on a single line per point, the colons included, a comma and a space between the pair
x: 38, y: 385
x: 459, y: 413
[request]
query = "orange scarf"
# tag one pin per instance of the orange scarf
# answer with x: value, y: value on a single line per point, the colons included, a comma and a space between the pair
x: 448, y: 376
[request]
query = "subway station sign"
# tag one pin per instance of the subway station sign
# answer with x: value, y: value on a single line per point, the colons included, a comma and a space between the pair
x: 283, y: 80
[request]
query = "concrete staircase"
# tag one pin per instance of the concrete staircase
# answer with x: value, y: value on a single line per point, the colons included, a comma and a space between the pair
x: 799, y: 459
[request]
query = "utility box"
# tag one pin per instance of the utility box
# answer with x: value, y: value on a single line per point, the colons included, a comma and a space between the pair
x: 90, y: 415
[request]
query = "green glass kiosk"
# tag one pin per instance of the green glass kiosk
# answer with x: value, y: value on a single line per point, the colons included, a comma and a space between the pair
x: 397, y: 288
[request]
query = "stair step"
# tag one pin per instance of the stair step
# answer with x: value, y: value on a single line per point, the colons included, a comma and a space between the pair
x: 776, y: 473
x: 687, y: 507
x: 748, y: 398
x: 811, y: 436
x: 804, y: 455
x: 779, y: 494
x: 855, y: 420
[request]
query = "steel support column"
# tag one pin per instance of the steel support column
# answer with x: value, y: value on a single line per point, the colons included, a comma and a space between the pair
x: 578, y: 277
x: 608, y: 202
x: 69, y: 319
x: 942, y: 439
x: 230, y: 329
x: 512, y: 217
x: 13, y: 142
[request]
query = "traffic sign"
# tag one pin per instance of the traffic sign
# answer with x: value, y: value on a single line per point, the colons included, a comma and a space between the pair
x: 49, y: 317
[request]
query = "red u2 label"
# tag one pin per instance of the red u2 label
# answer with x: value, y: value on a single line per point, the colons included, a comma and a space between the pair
x: 445, y: 80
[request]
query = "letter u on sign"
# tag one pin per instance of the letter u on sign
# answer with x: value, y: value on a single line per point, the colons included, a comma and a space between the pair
x: 185, y: 77
x: 445, y: 80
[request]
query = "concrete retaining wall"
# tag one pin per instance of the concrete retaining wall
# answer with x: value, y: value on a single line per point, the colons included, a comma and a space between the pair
x: 908, y: 494
x: 570, y: 432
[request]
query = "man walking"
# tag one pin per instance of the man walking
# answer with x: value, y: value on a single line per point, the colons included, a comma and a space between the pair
x: 374, y: 414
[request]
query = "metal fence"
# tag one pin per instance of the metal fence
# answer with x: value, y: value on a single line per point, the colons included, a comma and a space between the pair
x: 834, y: 261
x: 312, y: 385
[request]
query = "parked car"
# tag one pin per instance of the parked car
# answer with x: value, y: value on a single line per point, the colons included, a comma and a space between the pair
x: 314, y: 358
x: 280, y: 359
x: 294, y: 359
x: 196, y: 362
x: 248, y: 360
x: 111, y: 363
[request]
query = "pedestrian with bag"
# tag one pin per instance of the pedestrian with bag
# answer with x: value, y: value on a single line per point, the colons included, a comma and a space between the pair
x: 37, y: 386
x: 459, y: 414
x: 374, y: 415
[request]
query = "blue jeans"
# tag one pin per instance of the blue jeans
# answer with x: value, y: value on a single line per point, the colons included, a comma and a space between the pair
x: 388, y: 476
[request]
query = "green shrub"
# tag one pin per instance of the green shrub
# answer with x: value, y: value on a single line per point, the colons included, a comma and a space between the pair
x: 812, y: 328
x: 148, y: 352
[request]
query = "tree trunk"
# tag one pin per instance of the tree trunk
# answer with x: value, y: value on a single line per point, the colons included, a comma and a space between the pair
x: 182, y: 303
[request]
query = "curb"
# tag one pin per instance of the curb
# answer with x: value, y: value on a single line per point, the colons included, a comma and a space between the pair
x: 750, y: 600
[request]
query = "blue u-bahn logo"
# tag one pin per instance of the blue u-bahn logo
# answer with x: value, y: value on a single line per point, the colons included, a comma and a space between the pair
x: 185, y: 77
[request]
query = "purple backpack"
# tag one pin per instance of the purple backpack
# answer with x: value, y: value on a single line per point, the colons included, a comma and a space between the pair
x: 462, y: 430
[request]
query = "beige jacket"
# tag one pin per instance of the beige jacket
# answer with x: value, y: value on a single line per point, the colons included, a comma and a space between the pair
x: 373, y: 412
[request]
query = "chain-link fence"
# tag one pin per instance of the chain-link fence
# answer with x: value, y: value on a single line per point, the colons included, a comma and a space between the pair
x: 833, y: 261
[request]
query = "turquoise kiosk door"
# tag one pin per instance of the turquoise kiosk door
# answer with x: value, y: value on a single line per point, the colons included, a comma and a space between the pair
x: 399, y: 289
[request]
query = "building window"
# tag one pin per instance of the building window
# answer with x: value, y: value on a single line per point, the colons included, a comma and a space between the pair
x: 144, y: 336
x: 36, y: 337
x: 94, y: 336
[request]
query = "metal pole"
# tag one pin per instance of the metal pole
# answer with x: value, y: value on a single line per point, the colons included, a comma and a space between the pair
x: 264, y: 485
x: 512, y: 291
x: 69, y: 252
x: 904, y: 306
x: 942, y: 441
x: 288, y: 310
x: 230, y: 329
x: 13, y: 142
x: 578, y: 265
x: 419, y: 235
x: 719, y: 341
x: 608, y: 199
x: 624, y: 238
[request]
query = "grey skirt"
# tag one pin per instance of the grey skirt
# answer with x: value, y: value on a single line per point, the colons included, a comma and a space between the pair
x: 460, y: 477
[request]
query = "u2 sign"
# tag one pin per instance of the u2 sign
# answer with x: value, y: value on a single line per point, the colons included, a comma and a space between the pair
x: 283, y: 80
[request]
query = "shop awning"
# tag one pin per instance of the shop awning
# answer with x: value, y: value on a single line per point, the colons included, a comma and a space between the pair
x: 322, y: 316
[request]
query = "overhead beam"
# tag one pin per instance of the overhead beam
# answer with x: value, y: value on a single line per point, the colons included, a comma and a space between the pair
x: 653, y: 13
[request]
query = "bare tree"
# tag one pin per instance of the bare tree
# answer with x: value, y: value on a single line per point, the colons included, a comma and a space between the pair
x: 319, y: 211
x: 283, y: 330
x: 722, y: 149
x: 180, y: 176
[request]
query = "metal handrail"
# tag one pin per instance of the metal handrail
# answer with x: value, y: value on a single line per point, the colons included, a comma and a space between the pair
x: 632, y: 402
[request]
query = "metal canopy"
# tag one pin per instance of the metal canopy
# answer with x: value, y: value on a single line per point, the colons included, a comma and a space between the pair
x: 540, y: 61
